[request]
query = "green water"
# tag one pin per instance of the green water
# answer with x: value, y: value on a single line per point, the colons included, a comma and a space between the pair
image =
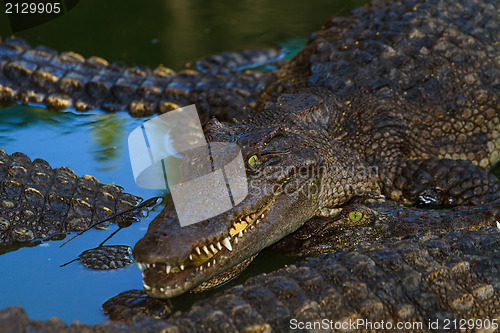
x: 150, y: 33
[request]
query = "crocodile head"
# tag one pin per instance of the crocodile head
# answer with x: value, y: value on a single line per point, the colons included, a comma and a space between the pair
x: 283, y: 179
x: 285, y: 166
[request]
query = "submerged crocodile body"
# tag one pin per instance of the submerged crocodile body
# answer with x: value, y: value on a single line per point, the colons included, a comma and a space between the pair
x: 400, y: 98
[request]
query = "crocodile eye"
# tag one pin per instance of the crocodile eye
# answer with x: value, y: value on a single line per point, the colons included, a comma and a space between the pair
x: 355, y: 215
x: 253, y: 161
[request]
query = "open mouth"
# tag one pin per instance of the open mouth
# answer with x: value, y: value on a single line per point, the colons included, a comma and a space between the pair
x: 166, y: 280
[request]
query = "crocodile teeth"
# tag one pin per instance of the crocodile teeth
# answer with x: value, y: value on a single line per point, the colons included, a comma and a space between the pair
x: 168, y: 268
x: 208, y: 264
x: 162, y: 290
x: 249, y: 220
x: 182, y: 267
x: 153, y: 265
x: 147, y: 265
x: 219, y: 246
x: 198, y: 250
x: 139, y: 265
x: 213, y: 248
x: 262, y: 216
x: 498, y: 225
x: 190, y: 257
x: 205, y: 249
x: 235, y: 240
x: 227, y: 244
x: 252, y: 227
x: 147, y: 287
x: 240, y: 233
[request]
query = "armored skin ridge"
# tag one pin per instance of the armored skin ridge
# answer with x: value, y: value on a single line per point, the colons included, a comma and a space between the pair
x: 38, y: 201
x: 419, y: 279
x: 41, y: 75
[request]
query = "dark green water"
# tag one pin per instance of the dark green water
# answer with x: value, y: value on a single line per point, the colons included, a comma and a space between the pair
x: 147, y: 32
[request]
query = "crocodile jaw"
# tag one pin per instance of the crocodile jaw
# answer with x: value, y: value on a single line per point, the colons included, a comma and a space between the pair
x: 240, y: 237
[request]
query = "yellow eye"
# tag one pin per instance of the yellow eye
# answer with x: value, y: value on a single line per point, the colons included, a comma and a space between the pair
x: 355, y: 215
x: 253, y: 161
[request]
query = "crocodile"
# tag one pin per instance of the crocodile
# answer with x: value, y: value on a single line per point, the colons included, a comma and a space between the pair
x: 38, y: 201
x: 41, y: 76
x: 384, y: 94
x: 417, y: 281
x: 365, y: 221
x: 399, y: 98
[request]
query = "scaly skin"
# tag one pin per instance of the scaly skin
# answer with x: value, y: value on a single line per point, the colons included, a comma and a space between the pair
x: 396, y: 89
x: 42, y: 76
x: 365, y: 221
x: 38, y: 201
x: 375, y: 102
x: 427, y: 277
x: 372, y: 219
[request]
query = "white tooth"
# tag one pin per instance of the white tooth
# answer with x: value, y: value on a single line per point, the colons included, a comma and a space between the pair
x: 205, y: 249
x: 213, y: 248
x: 252, y: 227
x: 240, y: 233
x: 219, y: 246
x: 498, y: 225
x: 139, y: 265
x: 235, y: 240
x: 262, y: 216
x: 190, y: 257
x: 182, y: 267
x: 147, y: 265
x: 257, y: 222
x: 201, y: 268
x: 208, y: 264
x: 249, y: 220
x: 227, y: 244
x: 147, y: 287
x: 213, y: 262
x: 153, y: 265
x: 162, y: 290
x: 143, y: 275
x: 168, y: 268
x: 198, y: 250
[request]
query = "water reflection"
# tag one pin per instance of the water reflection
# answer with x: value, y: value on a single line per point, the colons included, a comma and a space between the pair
x: 172, y: 32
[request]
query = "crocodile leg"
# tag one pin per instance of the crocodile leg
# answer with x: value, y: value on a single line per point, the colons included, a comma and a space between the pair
x: 447, y: 182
